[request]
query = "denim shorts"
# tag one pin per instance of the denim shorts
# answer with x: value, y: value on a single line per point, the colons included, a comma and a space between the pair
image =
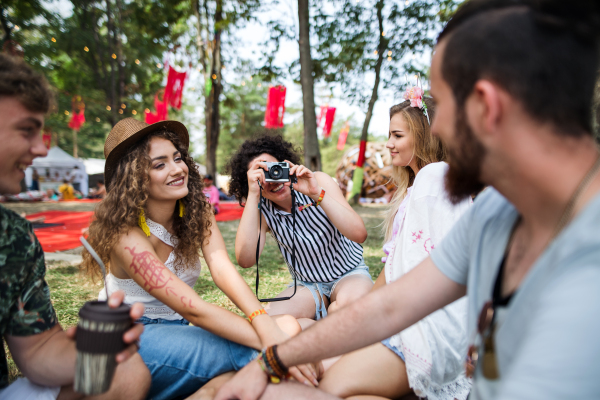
x: 320, y: 289
x: 398, y: 351
x: 182, y: 358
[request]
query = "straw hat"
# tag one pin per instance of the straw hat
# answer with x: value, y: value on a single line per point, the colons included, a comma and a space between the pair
x: 129, y: 131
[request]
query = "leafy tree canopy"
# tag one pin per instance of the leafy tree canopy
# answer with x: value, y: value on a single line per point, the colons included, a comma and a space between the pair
x: 108, y: 52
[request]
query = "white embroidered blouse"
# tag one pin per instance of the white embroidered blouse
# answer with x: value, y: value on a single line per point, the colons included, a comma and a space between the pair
x: 435, y: 347
x: 134, y: 293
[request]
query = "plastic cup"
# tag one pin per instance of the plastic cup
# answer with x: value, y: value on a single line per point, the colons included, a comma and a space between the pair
x: 99, y: 338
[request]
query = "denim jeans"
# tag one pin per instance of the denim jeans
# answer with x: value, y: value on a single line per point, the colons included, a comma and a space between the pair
x: 182, y: 358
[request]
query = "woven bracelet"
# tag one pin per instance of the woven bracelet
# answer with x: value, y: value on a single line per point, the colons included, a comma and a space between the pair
x: 263, y: 365
x: 319, y: 200
x: 267, y: 361
x: 256, y: 313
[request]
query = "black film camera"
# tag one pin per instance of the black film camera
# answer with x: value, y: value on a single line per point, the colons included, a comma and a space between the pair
x: 277, y: 172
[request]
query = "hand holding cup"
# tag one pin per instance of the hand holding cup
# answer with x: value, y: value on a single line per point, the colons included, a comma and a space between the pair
x: 106, y: 335
x: 132, y: 336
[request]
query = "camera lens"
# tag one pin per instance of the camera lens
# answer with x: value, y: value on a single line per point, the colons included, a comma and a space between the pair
x: 276, y: 172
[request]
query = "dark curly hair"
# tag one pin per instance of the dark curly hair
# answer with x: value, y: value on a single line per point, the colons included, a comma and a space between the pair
x: 249, y: 150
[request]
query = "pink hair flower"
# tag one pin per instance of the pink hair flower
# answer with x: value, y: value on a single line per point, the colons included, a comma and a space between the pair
x: 415, y: 95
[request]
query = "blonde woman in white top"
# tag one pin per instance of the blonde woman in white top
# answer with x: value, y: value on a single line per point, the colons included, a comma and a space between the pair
x: 427, y: 358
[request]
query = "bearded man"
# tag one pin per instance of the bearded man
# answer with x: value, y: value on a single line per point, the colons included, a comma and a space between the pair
x: 514, y: 82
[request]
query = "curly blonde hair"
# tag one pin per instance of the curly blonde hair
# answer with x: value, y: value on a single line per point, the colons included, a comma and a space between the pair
x: 428, y: 149
x: 118, y: 213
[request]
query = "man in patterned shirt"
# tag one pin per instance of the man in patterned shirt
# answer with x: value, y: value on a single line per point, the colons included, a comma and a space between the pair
x: 44, y: 353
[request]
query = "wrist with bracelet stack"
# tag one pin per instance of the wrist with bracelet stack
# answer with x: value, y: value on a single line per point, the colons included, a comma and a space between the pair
x: 317, y: 203
x: 271, y: 364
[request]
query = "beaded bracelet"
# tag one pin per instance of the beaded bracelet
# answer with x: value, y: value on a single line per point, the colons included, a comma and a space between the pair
x: 271, y: 364
x: 319, y: 200
x: 261, y: 362
x: 256, y: 314
x: 273, y: 360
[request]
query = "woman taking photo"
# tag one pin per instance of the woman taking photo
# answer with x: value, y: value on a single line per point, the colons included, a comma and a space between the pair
x: 329, y: 260
x: 428, y: 357
x: 149, y: 231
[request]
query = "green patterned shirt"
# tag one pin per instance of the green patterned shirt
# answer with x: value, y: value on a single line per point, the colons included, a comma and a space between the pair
x: 25, y: 307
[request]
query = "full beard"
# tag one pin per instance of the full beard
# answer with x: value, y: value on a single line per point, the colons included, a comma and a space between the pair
x: 465, y: 157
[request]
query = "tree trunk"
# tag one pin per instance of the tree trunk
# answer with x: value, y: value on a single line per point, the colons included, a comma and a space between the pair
x: 199, y: 40
x: 312, y: 155
x: 381, y: 48
x: 74, y: 143
x: 212, y: 100
x: 95, y: 55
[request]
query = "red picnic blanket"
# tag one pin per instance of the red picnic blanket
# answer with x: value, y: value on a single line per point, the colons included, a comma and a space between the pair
x: 229, y: 212
x: 60, y: 230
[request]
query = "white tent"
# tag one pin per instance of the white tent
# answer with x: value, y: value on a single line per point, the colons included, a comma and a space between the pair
x: 93, y: 166
x: 55, y: 167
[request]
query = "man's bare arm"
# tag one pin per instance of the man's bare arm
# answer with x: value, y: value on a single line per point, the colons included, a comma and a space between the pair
x: 379, y: 315
x: 48, y: 358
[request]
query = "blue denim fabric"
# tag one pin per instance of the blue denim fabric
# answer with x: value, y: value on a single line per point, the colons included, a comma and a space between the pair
x: 320, y: 289
x: 387, y: 343
x: 182, y: 358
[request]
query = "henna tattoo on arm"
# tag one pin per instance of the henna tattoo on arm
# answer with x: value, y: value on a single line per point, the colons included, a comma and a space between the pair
x: 152, y: 271
x: 183, y: 300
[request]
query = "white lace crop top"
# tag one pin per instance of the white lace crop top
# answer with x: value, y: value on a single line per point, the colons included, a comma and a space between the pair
x: 134, y: 293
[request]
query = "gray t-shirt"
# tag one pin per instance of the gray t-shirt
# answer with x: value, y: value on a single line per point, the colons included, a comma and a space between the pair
x: 548, y: 337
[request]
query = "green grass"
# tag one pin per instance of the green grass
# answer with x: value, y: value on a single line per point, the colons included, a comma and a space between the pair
x: 70, y: 289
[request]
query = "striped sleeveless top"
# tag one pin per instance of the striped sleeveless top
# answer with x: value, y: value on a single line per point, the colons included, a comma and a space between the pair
x: 323, y: 254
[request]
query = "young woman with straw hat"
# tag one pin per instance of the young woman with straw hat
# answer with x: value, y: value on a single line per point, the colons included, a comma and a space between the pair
x: 149, y: 231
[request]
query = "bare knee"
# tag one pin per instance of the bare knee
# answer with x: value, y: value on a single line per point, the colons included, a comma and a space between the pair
x: 335, y: 387
x: 288, y: 324
x: 343, y: 299
x: 306, y: 323
x: 352, y: 291
x: 333, y: 307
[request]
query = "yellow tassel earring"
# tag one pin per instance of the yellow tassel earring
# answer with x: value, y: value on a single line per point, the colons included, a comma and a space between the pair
x: 142, y: 222
x: 181, y: 209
